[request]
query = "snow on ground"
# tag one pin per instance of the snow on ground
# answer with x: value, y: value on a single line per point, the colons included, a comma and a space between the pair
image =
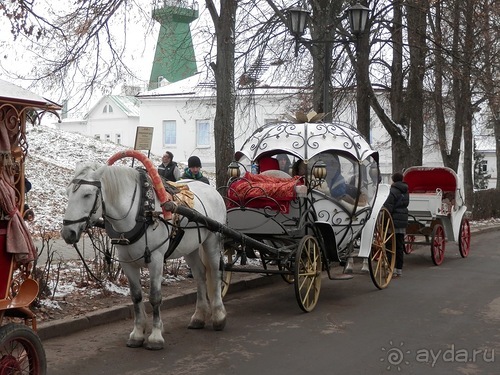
x: 52, y: 157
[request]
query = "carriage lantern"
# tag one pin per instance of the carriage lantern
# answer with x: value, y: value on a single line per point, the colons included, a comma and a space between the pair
x: 233, y: 170
x: 319, y: 170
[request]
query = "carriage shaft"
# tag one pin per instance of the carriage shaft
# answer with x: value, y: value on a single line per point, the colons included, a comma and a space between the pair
x: 215, y: 226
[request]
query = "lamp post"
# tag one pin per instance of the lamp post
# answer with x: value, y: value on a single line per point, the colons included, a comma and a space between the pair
x: 297, y: 22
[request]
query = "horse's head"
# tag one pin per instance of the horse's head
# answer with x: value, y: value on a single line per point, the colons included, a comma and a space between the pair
x: 84, y: 201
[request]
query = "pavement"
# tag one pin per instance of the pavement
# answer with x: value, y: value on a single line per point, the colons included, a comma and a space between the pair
x: 184, y: 296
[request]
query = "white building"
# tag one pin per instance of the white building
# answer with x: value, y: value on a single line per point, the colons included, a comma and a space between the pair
x: 114, y: 118
x: 182, y: 117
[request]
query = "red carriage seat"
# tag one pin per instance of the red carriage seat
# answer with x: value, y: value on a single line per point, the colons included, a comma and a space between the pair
x: 427, y: 180
x: 268, y: 163
x: 262, y: 191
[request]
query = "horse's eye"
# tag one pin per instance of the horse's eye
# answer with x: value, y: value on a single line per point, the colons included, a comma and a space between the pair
x: 87, y: 196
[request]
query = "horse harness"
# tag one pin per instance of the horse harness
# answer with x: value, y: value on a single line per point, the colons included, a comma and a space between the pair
x: 145, y: 217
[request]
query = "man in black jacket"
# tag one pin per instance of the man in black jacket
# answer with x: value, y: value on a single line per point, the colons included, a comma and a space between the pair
x: 397, y: 204
x: 168, y: 168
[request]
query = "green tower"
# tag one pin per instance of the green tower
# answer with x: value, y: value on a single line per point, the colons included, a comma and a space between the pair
x: 174, y: 56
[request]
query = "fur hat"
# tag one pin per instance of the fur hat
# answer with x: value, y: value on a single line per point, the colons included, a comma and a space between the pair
x: 194, y: 161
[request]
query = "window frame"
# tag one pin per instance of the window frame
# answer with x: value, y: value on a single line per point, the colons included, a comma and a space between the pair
x: 166, y: 139
x: 205, y: 134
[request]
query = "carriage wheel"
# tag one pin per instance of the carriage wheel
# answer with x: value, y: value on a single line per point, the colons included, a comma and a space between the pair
x: 382, y: 257
x: 21, y: 351
x: 307, y: 273
x: 289, y: 278
x: 228, y: 257
x: 409, y: 239
x: 438, y: 244
x: 464, y: 238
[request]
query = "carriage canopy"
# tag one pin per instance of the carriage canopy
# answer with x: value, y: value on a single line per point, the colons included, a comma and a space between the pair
x: 306, y: 140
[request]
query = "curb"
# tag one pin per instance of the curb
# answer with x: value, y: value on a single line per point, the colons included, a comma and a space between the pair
x: 68, y: 326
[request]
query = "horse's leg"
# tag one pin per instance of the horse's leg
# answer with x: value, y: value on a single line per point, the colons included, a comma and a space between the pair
x: 348, y: 266
x: 136, y: 337
x: 365, y: 268
x: 202, y: 310
x: 155, y: 340
x: 210, y: 255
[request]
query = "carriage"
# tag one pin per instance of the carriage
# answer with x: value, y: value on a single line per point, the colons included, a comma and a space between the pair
x: 299, y: 221
x: 437, y: 213
x: 21, y: 351
x: 298, y: 226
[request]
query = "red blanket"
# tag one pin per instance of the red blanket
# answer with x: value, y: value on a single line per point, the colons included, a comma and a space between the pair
x: 260, y: 191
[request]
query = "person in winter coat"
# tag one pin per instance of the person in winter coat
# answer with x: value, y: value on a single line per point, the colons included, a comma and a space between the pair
x: 168, y: 168
x: 193, y: 171
x: 397, y: 204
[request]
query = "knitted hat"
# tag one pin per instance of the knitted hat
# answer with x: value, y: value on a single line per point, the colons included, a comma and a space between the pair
x: 194, y: 161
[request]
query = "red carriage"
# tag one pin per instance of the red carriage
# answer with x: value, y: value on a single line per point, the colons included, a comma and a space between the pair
x: 21, y: 351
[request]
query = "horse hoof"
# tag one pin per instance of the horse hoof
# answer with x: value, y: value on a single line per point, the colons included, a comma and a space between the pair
x: 219, y: 326
x: 154, y: 346
x: 196, y: 324
x: 135, y: 343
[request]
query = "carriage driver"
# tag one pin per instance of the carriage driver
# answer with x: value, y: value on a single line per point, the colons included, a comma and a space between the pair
x: 168, y: 168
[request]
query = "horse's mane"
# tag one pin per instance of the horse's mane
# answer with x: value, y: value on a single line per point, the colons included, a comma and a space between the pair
x: 84, y: 169
x: 114, y: 179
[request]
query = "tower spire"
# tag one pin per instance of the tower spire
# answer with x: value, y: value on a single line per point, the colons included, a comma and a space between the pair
x: 174, y: 56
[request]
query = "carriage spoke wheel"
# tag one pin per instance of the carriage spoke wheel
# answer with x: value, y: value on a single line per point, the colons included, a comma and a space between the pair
x: 308, y: 268
x: 228, y: 257
x: 438, y: 244
x: 409, y: 239
x: 383, y: 253
x: 288, y: 277
x: 464, y: 240
x: 21, y: 351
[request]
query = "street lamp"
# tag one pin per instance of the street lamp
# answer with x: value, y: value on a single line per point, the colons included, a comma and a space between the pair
x: 297, y: 21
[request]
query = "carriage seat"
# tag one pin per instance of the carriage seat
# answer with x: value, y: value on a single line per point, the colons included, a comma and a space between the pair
x: 263, y: 191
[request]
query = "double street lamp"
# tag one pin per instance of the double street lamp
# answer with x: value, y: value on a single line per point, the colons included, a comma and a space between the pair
x: 297, y: 22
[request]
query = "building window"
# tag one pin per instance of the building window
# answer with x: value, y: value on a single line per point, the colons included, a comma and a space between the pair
x: 97, y: 136
x: 107, y: 108
x: 118, y: 139
x: 202, y: 133
x: 483, y: 167
x: 107, y: 137
x: 169, y: 132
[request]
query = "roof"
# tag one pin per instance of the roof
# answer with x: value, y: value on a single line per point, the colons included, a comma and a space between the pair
x: 17, y: 95
x: 485, y: 143
x: 196, y: 84
x: 130, y: 105
x: 306, y: 140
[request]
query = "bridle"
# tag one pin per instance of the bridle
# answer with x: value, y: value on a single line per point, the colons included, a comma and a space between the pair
x: 86, y: 219
x: 143, y: 220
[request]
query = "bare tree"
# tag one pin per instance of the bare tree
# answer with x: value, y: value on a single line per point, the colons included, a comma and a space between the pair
x: 224, y: 22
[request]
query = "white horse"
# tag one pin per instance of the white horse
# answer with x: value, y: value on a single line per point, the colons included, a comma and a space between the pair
x: 114, y: 193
